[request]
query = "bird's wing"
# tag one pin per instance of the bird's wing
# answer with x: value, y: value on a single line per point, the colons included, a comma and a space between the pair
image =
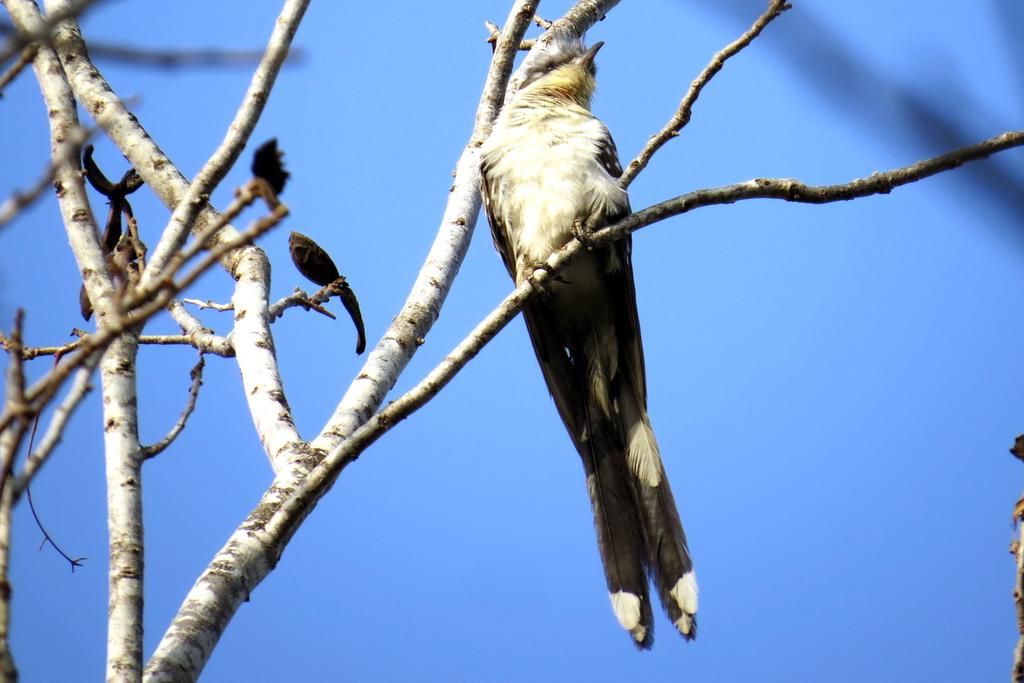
x: 668, y: 557
x: 490, y: 187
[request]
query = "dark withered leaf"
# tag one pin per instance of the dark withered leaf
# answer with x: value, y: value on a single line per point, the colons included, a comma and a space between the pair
x: 130, y: 181
x: 267, y: 164
x: 112, y: 233
x: 351, y: 304
x: 94, y: 175
x: 84, y: 305
x: 311, y: 260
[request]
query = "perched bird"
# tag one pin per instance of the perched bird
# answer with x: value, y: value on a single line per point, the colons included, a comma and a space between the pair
x: 550, y: 173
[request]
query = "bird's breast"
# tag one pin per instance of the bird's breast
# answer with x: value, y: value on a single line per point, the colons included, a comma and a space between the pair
x: 544, y: 177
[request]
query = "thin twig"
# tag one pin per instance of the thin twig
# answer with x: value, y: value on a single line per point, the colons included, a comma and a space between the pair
x: 42, y: 31
x: 203, y: 338
x: 193, y: 394
x: 495, y: 33
x: 24, y: 59
x: 47, y: 538
x: 202, y: 305
x: 299, y: 299
x: 19, y: 200
x: 184, y: 58
x: 682, y: 115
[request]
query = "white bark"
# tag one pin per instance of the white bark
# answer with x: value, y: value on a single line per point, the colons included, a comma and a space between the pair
x: 124, y: 510
x: 257, y: 360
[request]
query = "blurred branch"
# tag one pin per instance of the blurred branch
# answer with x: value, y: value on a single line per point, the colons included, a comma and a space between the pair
x: 24, y: 59
x: 184, y: 58
x: 10, y: 441
x: 21, y: 199
x: 15, y: 404
x: 682, y: 115
x: 80, y: 388
x: 41, y: 30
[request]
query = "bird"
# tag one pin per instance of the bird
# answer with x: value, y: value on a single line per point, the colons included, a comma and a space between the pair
x: 549, y: 174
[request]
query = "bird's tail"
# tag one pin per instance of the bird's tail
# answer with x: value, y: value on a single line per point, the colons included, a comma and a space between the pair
x: 620, y: 538
x: 638, y: 527
x: 667, y: 557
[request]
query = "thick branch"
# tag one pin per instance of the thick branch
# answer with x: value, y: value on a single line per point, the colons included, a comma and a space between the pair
x: 64, y: 131
x: 252, y: 340
x: 225, y: 156
x: 124, y: 509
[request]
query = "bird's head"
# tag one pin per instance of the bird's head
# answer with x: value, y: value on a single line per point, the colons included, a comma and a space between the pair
x: 564, y: 69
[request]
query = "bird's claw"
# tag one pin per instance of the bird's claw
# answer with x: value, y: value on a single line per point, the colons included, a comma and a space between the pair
x: 531, y: 273
x: 582, y: 231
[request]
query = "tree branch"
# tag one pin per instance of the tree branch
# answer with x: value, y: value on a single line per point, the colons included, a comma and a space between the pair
x: 39, y: 31
x: 254, y: 548
x: 193, y: 394
x: 252, y: 340
x: 80, y: 388
x: 682, y: 115
x: 124, y: 509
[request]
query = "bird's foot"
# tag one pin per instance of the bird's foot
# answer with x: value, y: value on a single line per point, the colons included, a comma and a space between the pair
x: 583, y: 231
x: 530, y: 275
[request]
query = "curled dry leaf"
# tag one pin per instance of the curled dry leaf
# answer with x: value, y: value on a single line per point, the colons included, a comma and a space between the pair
x: 317, y: 266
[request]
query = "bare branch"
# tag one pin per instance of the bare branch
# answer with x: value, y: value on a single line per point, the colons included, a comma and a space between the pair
x: 15, y: 404
x: 123, y: 454
x: 209, y: 304
x: 796, y: 191
x: 64, y: 131
x: 202, y: 337
x: 8, y: 670
x: 253, y: 549
x: 43, y: 390
x: 183, y: 58
x: 10, y: 441
x: 40, y: 31
x: 21, y: 199
x: 494, y: 33
x: 299, y: 298
x: 47, y: 538
x: 682, y: 115
x: 24, y: 59
x: 80, y: 388
x: 220, y: 162
x: 193, y: 394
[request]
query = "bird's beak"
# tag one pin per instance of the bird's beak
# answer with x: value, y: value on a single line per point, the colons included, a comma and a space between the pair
x: 587, y: 58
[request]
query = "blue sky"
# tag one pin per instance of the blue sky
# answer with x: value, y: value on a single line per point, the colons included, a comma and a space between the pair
x: 834, y: 388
